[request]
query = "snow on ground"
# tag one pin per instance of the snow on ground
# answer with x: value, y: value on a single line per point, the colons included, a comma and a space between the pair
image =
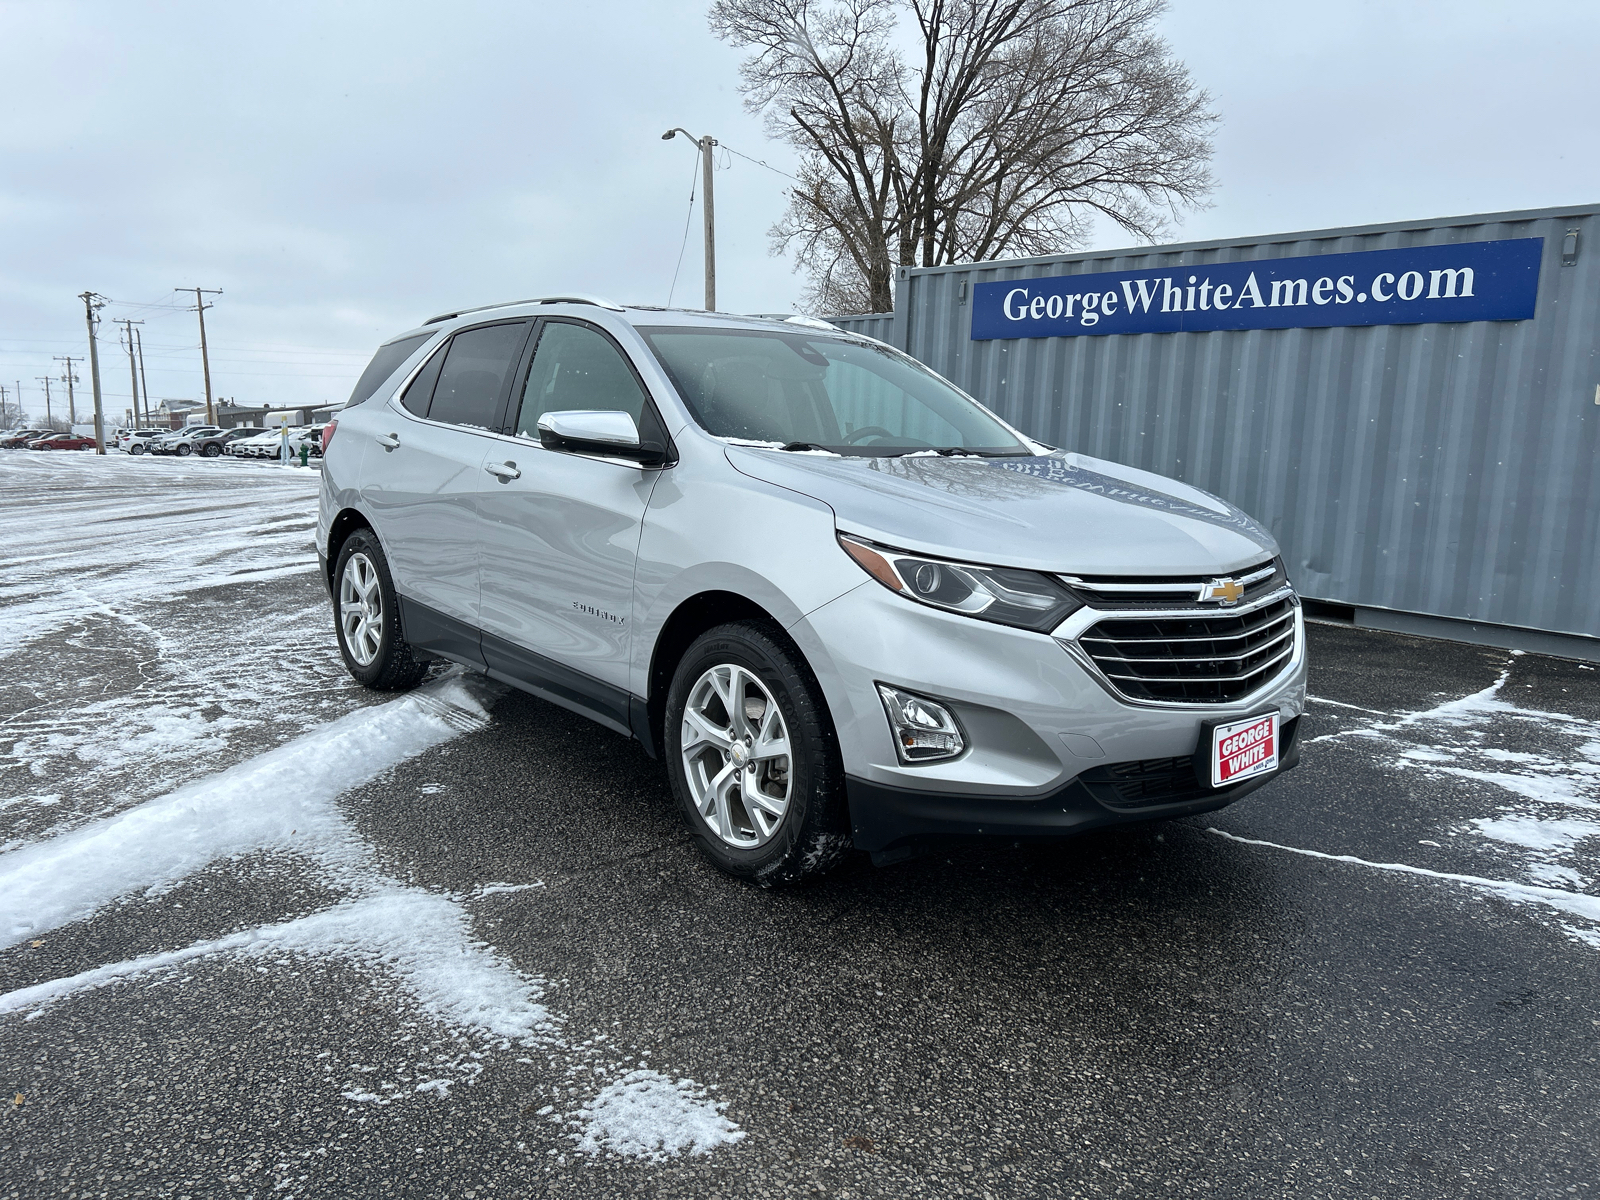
x: 161, y: 578
x: 137, y: 650
x: 648, y: 1115
x: 1544, y: 818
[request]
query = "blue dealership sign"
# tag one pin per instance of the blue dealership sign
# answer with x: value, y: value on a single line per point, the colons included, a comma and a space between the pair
x: 1462, y: 281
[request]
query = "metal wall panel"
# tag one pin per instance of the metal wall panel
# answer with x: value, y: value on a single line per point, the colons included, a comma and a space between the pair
x: 872, y: 325
x: 1451, y: 470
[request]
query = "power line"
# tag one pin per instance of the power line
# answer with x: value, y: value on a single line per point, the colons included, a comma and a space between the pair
x: 688, y: 217
x: 758, y: 162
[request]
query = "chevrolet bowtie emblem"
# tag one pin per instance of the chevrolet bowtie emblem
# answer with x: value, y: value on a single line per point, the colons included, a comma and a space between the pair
x: 1222, y: 591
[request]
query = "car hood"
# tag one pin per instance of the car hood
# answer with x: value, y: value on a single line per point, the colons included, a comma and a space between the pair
x: 1053, y: 512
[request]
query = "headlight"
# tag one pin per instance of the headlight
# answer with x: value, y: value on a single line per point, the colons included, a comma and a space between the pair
x: 1026, y: 599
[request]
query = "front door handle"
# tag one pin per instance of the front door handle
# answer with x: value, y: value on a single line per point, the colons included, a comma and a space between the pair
x: 505, y: 472
x: 389, y: 441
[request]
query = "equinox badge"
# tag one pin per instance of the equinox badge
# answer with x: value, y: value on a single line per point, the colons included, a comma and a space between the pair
x: 1222, y: 591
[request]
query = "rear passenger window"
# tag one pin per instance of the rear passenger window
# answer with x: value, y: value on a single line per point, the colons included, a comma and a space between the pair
x: 576, y: 367
x: 474, y: 371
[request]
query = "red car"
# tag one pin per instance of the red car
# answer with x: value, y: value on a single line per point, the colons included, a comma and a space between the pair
x: 18, y: 439
x: 63, y: 441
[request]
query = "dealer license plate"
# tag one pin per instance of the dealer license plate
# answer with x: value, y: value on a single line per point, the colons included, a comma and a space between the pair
x: 1244, y: 749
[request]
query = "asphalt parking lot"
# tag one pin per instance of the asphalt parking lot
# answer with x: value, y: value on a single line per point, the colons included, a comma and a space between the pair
x: 268, y: 935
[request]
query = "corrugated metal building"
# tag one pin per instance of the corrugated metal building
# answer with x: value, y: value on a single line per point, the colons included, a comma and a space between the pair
x: 1424, y: 468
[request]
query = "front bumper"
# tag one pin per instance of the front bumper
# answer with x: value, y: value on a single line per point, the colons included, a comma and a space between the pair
x: 890, y: 822
x: 1041, y: 724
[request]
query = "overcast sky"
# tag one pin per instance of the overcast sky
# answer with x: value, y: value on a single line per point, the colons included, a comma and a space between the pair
x: 343, y: 171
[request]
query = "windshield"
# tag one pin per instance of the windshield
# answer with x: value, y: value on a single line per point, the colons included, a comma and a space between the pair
x: 807, y: 392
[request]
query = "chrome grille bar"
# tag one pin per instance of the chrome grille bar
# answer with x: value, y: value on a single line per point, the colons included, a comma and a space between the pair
x: 1250, y: 674
x: 1246, y: 649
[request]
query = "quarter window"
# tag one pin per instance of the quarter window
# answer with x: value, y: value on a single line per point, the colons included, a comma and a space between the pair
x: 577, y: 367
x: 384, y: 364
x: 420, y: 393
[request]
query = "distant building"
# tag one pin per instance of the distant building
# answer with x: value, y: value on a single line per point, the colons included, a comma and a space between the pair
x: 178, y: 413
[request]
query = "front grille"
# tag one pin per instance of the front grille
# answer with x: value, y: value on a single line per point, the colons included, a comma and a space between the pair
x: 1199, y: 659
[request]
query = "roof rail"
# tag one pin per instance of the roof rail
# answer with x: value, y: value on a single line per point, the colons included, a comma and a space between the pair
x: 569, y: 298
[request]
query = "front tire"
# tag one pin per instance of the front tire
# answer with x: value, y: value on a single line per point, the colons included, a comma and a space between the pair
x: 366, y: 615
x: 212, y: 451
x: 753, y: 758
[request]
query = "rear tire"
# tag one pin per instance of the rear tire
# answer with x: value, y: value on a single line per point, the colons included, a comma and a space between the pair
x: 773, y: 818
x: 136, y: 448
x: 366, y: 617
x: 185, y: 450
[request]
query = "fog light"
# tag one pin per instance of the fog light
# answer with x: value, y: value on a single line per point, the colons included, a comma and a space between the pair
x: 923, y: 731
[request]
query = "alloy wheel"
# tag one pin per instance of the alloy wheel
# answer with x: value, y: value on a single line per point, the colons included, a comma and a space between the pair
x: 361, y: 609
x: 736, y: 756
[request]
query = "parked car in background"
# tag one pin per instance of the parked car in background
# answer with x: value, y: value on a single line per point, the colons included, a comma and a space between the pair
x: 139, y: 441
x: 270, y: 443
x: 213, y: 444
x: 18, y: 439
x: 125, y: 437
x: 62, y: 441
x: 182, y: 442
x: 260, y: 445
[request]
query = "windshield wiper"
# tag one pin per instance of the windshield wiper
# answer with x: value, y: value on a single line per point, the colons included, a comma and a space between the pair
x: 802, y: 446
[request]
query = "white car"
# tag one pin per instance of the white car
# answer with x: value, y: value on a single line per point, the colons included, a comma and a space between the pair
x: 270, y: 444
x: 137, y: 441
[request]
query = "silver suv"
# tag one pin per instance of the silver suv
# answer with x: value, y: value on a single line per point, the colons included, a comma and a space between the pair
x: 847, y: 604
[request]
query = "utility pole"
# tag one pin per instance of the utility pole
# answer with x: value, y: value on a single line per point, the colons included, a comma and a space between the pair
x: 48, y: 417
x: 200, y: 307
x: 709, y: 210
x: 69, y: 377
x: 92, y: 304
x: 144, y: 386
x: 133, y: 376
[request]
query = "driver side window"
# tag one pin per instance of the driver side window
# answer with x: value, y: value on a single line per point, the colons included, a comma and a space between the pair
x: 577, y: 367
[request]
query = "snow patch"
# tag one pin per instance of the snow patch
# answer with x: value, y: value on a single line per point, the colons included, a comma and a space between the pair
x: 645, y: 1114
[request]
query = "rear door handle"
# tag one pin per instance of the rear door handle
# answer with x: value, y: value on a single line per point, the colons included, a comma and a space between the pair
x: 504, y: 472
x: 389, y: 441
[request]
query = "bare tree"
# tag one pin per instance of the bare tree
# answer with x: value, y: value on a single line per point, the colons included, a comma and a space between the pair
x: 976, y: 129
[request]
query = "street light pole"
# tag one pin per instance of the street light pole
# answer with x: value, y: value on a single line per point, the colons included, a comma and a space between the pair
x: 93, y: 303
x: 709, y: 210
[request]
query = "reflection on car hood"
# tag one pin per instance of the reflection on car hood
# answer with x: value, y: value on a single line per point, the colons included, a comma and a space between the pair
x: 1053, y: 512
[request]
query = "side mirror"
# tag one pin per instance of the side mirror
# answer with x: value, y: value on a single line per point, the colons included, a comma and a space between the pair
x: 609, y: 433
